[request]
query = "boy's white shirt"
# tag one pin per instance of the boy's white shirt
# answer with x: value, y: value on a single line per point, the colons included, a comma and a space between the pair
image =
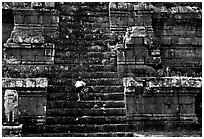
x: 79, y: 84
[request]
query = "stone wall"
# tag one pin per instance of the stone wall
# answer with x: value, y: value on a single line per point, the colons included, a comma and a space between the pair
x: 131, y: 25
x: 28, y: 56
x: 169, y: 35
x: 32, y: 100
x: 166, y: 103
x: 179, y: 35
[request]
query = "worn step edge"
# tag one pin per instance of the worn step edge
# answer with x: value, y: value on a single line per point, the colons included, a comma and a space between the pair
x: 95, y: 93
x: 63, y: 66
x: 85, y: 119
x: 97, y: 88
x: 91, y: 96
x: 90, y: 81
x: 91, y: 74
x: 86, y: 112
x: 87, y: 128
x: 85, y: 104
x: 97, y: 134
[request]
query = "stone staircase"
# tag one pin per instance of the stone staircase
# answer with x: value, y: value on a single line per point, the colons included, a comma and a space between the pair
x: 99, y: 113
x: 82, y: 50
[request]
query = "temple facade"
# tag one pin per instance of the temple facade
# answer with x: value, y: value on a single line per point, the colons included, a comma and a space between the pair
x: 142, y: 60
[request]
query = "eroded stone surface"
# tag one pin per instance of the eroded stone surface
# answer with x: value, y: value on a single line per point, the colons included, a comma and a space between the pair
x: 24, y: 82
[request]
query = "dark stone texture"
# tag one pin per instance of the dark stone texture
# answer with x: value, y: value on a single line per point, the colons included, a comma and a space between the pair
x: 97, y: 134
x: 86, y: 112
x: 90, y: 96
x: 84, y: 120
x: 85, y: 104
x: 84, y: 128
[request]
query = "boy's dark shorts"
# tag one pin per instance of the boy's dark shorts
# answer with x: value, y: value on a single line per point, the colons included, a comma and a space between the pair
x: 78, y: 89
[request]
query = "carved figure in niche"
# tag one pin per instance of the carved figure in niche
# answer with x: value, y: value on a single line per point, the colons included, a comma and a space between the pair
x: 10, y: 105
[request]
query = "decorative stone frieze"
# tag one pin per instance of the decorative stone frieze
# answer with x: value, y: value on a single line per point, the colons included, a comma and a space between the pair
x: 24, y: 82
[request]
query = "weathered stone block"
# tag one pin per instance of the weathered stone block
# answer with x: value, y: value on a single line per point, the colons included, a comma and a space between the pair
x: 170, y: 100
x: 166, y: 40
x: 88, y: 119
x: 7, y: 83
x: 19, y: 83
x: 190, y: 109
x: 140, y: 105
x: 183, y: 41
x: 19, y: 19
x: 148, y: 108
x: 86, y: 128
x: 200, y: 41
x: 195, y: 41
x: 55, y: 96
x: 149, y: 99
x: 35, y: 19
x: 109, y: 89
x: 158, y: 108
x: 49, y: 5
x: 12, y: 131
x: 158, y: 100
x: 41, y: 82
x: 30, y: 83
x: 138, y: 41
x: 25, y: 82
x: 186, y: 100
x: 36, y: 5
x: 27, y: 19
x: 85, y: 104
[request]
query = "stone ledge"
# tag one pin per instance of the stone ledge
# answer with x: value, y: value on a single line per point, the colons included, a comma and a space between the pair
x: 195, y: 82
x: 96, y: 134
x: 30, y: 45
x: 24, y: 82
x: 6, y: 127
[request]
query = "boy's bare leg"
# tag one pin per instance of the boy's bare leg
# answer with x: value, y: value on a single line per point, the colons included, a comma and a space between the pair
x: 78, y: 97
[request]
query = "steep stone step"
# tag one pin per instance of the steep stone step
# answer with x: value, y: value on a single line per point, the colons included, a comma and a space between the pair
x: 85, y: 75
x: 84, y: 44
x: 97, y: 134
x: 90, y: 81
x: 91, y: 96
x: 56, y: 88
x: 86, y: 112
x: 81, y: 54
x: 79, y: 60
x: 85, y: 104
x: 85, y: 47
x: 86, y: 128
x: 64, y: 120
x: 90, y: 61
x: 33, y: 128
x: 97, y: 88
x: 86, y: 37
x: 63, y: 66
x: 89, y: 18
x: 97, y: 13
x: 108, y: 88
x: 98, y: 74
x: 105, y: 96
